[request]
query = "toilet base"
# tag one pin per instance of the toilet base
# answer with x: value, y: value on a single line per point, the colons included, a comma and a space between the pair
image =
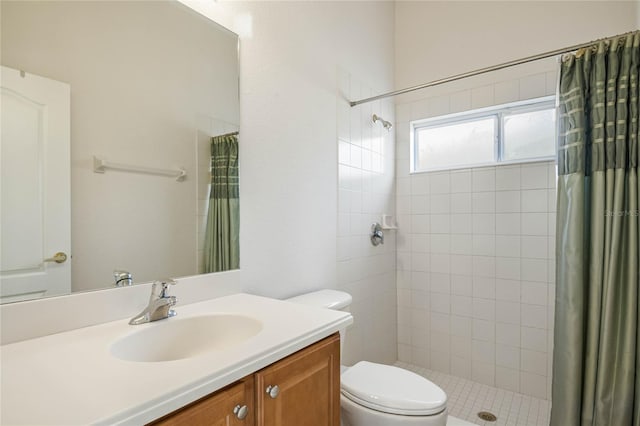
x: 353, y: 414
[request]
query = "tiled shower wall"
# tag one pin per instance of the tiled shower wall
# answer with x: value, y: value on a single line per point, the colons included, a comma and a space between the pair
x: 475, y: 268
x: 366, y: 192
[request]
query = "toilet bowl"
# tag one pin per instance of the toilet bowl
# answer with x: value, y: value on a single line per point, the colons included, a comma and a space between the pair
x: 382, y: 395
x: 376, y: 394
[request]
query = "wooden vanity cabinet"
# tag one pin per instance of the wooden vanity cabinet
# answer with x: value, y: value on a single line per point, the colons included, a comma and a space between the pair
x: 302, y: 389
x: 218, y: 408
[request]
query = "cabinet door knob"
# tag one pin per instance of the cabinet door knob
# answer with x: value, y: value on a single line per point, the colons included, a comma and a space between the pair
x: 241, y: 411
x: 273, y: 391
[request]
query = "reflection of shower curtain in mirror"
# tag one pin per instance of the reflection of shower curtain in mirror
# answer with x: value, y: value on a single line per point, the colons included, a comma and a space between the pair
x: 222, y: 243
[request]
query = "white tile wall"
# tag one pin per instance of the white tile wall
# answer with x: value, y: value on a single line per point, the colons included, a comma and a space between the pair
x: 481, y: 241
x: 366, y: 192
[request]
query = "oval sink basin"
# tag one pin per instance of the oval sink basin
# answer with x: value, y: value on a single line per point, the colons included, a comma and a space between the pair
x: 179, y: 338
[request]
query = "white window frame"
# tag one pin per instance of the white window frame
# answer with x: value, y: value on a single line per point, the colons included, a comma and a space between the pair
x: 498, y: 112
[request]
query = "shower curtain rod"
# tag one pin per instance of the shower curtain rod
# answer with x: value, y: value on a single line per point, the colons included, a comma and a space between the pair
x: 227, y: 134
x: 486, y: 70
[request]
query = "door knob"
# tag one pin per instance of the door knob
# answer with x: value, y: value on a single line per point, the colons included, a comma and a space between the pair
x: 273, y: 391
x: 59, y: 257
x: 241, y: 411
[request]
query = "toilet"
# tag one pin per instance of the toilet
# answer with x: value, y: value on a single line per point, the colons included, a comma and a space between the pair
x: 377, y: 394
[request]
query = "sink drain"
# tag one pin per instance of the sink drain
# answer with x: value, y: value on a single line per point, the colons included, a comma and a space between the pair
x: 487, y: 416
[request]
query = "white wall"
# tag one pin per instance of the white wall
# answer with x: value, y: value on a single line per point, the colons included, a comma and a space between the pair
x: 475, y: 248
x: 439, y: 39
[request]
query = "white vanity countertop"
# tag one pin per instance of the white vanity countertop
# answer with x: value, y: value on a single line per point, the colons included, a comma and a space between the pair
x: 71, y: 378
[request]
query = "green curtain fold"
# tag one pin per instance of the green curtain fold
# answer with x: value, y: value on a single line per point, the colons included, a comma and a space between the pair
x: 222, y: 237
x: 596, y: 362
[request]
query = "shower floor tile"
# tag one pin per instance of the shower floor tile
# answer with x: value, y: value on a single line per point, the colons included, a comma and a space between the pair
x: 467, y: 398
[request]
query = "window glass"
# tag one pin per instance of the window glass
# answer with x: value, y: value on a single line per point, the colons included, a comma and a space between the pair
x: 457, y: 144
x: 517, y: 132
x: 529, y: 135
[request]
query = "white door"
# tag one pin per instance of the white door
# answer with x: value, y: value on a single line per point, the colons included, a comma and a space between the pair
x: 35, y: 189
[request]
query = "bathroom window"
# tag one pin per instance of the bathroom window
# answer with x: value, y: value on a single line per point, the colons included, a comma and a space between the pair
x: 517, y: 132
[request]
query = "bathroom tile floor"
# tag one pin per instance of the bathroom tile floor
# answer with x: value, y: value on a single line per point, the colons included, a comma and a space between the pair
x: 467, y: 398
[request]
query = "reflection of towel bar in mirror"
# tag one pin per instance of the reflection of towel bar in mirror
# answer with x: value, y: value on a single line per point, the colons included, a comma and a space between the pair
x: 100, y: 166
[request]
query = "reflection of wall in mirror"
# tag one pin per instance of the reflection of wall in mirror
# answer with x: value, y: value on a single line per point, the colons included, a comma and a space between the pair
x: 142, y: 73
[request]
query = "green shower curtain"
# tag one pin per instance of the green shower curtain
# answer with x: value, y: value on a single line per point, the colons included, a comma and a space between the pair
x: 596, y: 371
x: 222, y: 238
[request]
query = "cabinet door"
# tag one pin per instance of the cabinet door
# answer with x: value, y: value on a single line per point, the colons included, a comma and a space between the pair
x: 302, y: 389
x: 217, y: 409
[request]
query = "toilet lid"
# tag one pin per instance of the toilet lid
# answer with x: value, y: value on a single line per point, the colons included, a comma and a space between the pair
x: 392, y: 390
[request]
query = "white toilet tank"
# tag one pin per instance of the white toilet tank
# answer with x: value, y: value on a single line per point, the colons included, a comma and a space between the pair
x: 330, y: 299
x: 327, y: 298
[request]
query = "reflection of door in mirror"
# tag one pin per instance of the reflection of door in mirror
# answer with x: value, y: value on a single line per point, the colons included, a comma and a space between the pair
x: 35, y: 218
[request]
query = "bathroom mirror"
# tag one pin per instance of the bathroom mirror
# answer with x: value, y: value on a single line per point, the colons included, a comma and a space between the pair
x: 138, y: 89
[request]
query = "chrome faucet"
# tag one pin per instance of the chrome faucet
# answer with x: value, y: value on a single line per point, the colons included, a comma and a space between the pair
x: 160, y: 304
x: 122, y: 278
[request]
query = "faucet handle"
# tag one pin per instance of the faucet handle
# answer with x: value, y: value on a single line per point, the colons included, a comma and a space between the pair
x: 160, y: 287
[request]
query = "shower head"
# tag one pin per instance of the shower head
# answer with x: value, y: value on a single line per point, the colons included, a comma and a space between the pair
x: 386, y: 124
